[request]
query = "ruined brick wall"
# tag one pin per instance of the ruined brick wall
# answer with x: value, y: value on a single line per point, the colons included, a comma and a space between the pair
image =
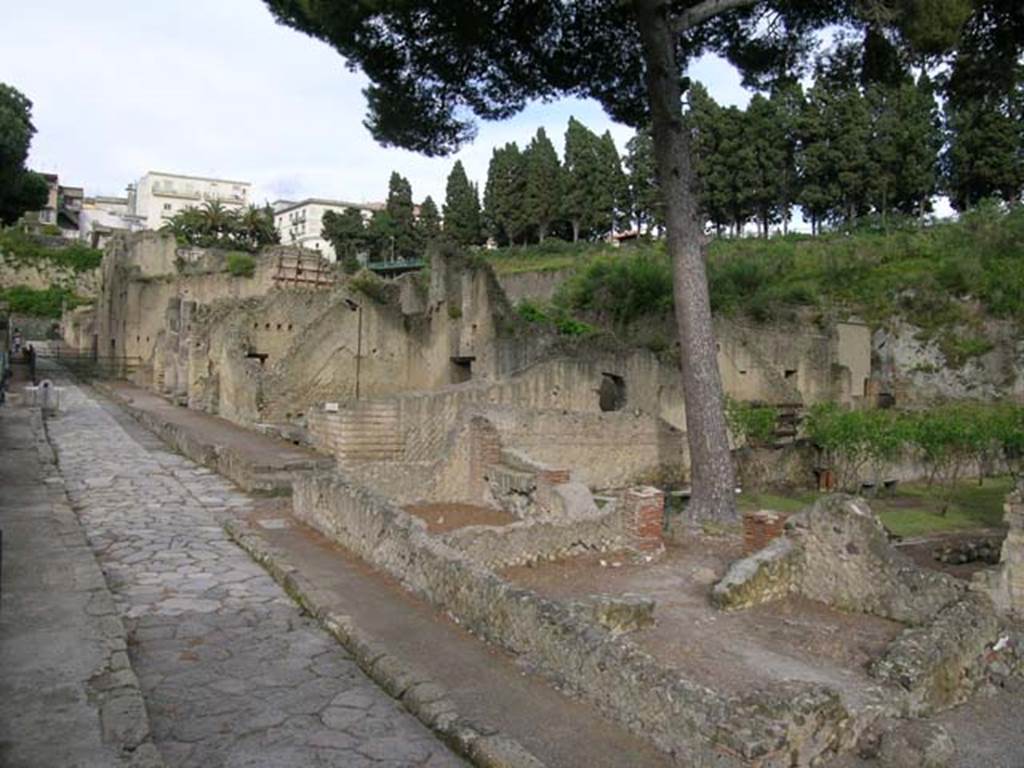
x: 797, y: 724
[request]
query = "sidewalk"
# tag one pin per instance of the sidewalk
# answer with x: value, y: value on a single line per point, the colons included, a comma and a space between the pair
x: 253, y: 461
x: 482, y: 681
x: 68, y: 696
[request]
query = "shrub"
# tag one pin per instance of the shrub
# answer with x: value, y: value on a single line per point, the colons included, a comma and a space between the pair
x: 558, y: 317
x: 621, y: 287
x: 750, y: 422
x: 241, y: 264
x: 373, y: 286
x: 48, y: 302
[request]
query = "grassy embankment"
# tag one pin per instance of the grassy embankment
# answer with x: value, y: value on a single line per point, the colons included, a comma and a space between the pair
x: 947, y: 279
x: 21, y: 250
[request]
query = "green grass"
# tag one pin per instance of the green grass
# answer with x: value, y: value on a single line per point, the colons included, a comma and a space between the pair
x: 946, y: 278
x: 914, y: 510
x: 20, y: 248
x: 550, y: 256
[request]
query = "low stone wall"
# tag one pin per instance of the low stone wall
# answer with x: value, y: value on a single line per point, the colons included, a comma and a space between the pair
x: 838, y: 553
x: 538, y: 539
x: 791, y: 725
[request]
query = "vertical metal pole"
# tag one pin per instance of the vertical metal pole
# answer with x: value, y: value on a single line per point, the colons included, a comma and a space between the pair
x: 359, y: 347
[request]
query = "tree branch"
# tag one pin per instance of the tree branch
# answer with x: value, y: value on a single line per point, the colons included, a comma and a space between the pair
x: 705, y: 10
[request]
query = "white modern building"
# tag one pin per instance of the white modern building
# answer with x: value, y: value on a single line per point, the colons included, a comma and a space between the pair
x: 156, y: 197
x: 300, y: 223
x: 101, y: 217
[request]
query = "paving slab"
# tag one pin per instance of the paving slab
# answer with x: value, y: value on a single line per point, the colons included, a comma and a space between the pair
x: 68, y: 696
x: 254, y: 461
x: 233, y: 673
x: 481, y: 680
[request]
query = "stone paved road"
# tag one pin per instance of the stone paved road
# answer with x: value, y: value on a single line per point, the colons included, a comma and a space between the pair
x: 232, y: 673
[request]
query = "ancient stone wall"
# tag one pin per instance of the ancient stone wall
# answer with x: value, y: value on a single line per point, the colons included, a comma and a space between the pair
x: 41, y: 274
x: 792, y: 726
x: 1006, y: 583
x: 838, y: 553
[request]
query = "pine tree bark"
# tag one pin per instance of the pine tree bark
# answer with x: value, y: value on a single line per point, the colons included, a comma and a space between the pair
x: 711, y: 468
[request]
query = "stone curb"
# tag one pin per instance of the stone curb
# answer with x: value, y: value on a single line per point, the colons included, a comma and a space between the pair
x: 120, y: 704
x: 481, y: 744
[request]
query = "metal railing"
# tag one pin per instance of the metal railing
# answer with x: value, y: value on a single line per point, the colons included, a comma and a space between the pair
x: 86, y: 365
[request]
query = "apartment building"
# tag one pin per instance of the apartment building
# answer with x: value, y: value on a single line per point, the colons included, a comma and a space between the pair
x: 156, y: 197
x: 301, y: 223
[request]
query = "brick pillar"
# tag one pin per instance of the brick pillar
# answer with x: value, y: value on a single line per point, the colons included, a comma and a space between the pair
x: 484, y: 451
x: 644, y: 509
x: 760, y: 528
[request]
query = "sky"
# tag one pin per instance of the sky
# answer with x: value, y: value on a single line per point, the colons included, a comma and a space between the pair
x: 217, y: 88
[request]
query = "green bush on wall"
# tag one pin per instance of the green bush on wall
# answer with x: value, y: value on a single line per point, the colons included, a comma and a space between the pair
x: 241, y: 264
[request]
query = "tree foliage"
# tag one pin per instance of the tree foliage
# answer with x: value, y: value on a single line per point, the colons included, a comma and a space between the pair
x: 433, y: 67
x: 462, y: 208
x: 20, y: 189
x: 216, y: 226
x: 346, y: 232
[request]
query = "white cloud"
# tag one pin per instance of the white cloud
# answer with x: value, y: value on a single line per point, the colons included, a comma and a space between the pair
x: 217, y: 88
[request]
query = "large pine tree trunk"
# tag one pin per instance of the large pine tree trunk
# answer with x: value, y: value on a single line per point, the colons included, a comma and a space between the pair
x: 713, y: 481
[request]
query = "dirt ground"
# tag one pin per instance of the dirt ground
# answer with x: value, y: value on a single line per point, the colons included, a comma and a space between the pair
x: 794, y: 639
x: 446, y: 516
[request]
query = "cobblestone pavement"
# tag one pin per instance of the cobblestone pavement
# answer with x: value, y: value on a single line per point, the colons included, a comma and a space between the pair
x: 232, y: 673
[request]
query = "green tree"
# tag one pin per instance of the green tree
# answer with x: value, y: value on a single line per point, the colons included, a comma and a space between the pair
x: 433, y: 66
x: 543, y: 196
x: 505, y: 207
x: 401, y: 221
x: 429, y: 223
x: 20, y: 189
x: 904, y: 147
x: 462, y: 208
x: 612, y: 203
x: 766, y: 141
x: 788, y: 100
x: 346, y: 232
x: 644, y: 197
x: 581, y: 178
x: 984, y: 107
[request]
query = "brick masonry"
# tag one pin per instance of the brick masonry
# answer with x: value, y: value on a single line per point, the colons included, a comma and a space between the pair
x: 761, y: 528
x: 645, y: 517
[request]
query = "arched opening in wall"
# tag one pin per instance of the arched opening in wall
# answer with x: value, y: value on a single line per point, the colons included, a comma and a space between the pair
x: 611, y: 396
x: 462, y: 369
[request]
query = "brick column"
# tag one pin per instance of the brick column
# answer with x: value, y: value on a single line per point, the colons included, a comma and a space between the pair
x: 760, y: 528
x: 644, y: 509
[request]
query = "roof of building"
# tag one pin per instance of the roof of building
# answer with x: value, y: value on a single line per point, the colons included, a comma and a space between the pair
x: 333, y: 203
x: 195, y: 178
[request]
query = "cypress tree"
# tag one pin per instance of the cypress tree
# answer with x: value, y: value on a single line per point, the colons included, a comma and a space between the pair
x: 505, y: 196
x: 401, y: 221
x: 543, y: 193
x: 612, y: 200
x: 788, y: 100
x: 644, y: 195
x: 766, y: 141
x: 581, y: 181
x: 429, y: 223
x: 462, y: 208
